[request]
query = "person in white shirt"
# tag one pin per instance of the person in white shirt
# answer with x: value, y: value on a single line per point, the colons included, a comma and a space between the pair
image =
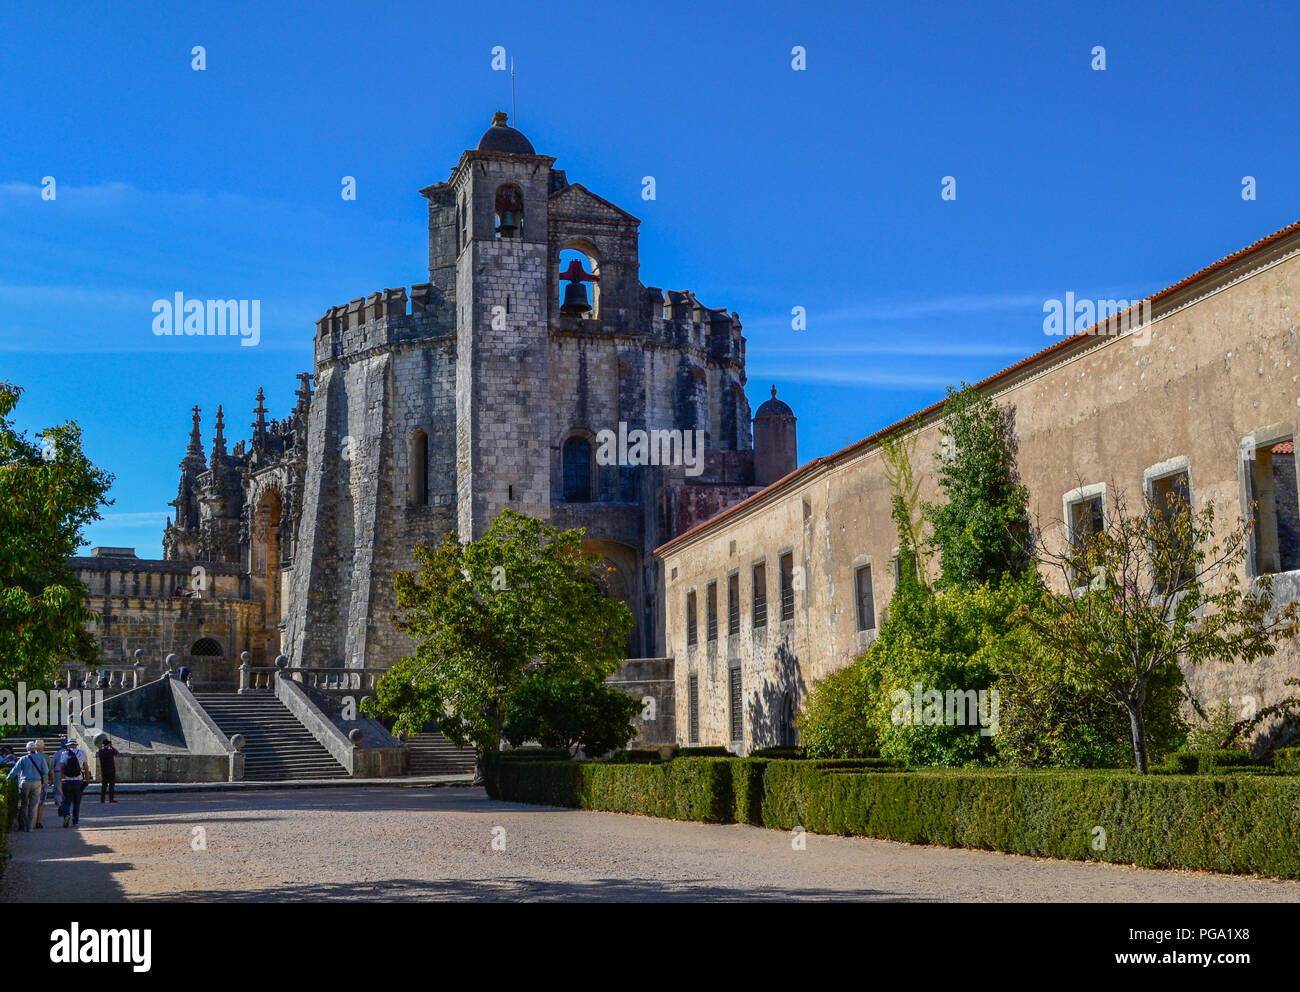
x: 30, y: 772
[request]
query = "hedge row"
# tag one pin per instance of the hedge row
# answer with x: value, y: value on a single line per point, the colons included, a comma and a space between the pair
x: 8, y: 811
x: 1227, y: 823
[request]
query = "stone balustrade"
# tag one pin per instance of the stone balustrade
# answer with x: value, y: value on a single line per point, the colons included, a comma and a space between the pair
x: 114, y: 678
x: 360, y: 680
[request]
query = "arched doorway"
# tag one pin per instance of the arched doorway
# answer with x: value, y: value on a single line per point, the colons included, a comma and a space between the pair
x: 619, y: 574
x: 264, y: 567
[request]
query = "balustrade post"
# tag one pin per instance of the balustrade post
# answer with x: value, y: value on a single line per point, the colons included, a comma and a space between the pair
x: 244, y: 667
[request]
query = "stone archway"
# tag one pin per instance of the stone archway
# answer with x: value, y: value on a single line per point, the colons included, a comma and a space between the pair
x: 265, y: 556
x: 620, y: 577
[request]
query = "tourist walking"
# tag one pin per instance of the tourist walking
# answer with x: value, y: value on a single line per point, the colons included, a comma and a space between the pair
x: 75, y: 767
x: 108, y: 771
x: 56, y: 778
x: 45, y: 788
x: 30, y: 771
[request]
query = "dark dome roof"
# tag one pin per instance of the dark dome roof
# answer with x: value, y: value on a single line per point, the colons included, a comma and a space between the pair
x: 500, y: 137
x: 774, y: 408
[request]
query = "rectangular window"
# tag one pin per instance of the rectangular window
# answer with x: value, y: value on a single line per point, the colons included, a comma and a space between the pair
x: 760, y: 594
x: 1087, y: 517
x: 692, y: 633
x: 693, y: 717
x: 1276, y: 538
x: 787, y: 586
x: 865, y: 598
x: 733, y: 603
x: 711, y: 605
x: 737, y: 713
x: 1171, y: 496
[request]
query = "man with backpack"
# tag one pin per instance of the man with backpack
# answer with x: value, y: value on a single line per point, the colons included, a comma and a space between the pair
x: 74, y: 770
x: 31, y: 772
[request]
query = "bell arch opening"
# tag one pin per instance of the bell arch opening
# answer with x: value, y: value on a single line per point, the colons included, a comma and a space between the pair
x: 579, y: 280
x: 508, y: 208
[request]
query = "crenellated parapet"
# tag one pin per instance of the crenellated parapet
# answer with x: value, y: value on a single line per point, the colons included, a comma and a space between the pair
x: 381, y: 319
x: 678, y: 319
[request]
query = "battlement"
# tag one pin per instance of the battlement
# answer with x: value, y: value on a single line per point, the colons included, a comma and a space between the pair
x: 383, y: 318
x: 678, y: 317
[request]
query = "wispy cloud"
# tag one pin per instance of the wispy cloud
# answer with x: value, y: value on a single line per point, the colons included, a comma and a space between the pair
x: 938, y: 349
x: 895, y: 310
x: 153, y: 518
x: 851, y: 377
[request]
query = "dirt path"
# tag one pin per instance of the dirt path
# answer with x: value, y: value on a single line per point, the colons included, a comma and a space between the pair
x: 390, y: 843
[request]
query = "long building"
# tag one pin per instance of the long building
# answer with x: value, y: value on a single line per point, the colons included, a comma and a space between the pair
x: 1197, y: 387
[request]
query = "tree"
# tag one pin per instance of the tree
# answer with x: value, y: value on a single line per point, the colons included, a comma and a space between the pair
x: 48, y: 494
x: 1146, y: 591
x: 568, y: 713
x: 896, y: 452
x: 521, y: 604
x: 980, y: 531
x: 836, y: 722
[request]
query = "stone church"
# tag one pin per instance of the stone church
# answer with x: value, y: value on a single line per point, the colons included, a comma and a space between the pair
x: 430, y: 410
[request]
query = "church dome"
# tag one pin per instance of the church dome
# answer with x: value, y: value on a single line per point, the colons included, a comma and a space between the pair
x: 500, y: 137
x: 774, y: 408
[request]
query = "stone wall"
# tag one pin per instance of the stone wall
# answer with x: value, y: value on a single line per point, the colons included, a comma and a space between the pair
x: 1217, y: 367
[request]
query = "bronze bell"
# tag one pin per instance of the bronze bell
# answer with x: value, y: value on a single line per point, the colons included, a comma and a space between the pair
x: 575, y: 293
x: 575, y: 303
x: 509, y: 225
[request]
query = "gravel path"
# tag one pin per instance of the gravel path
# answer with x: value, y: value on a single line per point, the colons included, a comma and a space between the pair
x: 437, y: 843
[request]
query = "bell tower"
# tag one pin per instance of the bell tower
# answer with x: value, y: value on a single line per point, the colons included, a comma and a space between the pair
x: 498, y: 193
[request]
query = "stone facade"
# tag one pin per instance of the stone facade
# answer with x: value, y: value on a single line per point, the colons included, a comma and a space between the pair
x: 139, y: 609
x: 1204, y: 397
x: 436, y: 408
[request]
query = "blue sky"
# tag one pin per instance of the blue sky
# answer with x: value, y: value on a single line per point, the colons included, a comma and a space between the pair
x: 775, y: 188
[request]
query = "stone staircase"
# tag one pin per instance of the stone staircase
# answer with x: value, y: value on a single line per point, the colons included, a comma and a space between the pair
x: 277, y: 746
x: 433, y: 754
x: 19, y: 743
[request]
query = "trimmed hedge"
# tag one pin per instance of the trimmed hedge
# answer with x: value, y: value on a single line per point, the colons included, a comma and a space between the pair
x: 1287, y: 760
x: 535, y: 754
x: 1229, y: 759
x: 8, y: 811
x: 1225, y: 823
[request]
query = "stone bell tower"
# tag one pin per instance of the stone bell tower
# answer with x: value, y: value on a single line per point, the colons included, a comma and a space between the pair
x: 499, y: 196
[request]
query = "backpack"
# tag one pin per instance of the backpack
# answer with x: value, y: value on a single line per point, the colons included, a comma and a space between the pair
x: 71, y: 767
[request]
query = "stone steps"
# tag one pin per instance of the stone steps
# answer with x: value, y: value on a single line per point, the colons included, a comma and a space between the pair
x: 434, y: 754
x: 276, y: 745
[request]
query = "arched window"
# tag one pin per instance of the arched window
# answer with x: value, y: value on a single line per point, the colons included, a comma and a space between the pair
x: 509, y: 212
x: 577, y: 470
x: 579, y: 280
x: 206, y: 648
x: 417, y: 468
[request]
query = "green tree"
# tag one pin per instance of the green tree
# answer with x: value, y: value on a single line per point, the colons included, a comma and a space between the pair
x: 836, y: 722
x: 906, y: 509
x: 981, y: 530
x: 48, y: 493
x: 521, y: 603
x: 1145, y: 592
x: 564, y: 712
